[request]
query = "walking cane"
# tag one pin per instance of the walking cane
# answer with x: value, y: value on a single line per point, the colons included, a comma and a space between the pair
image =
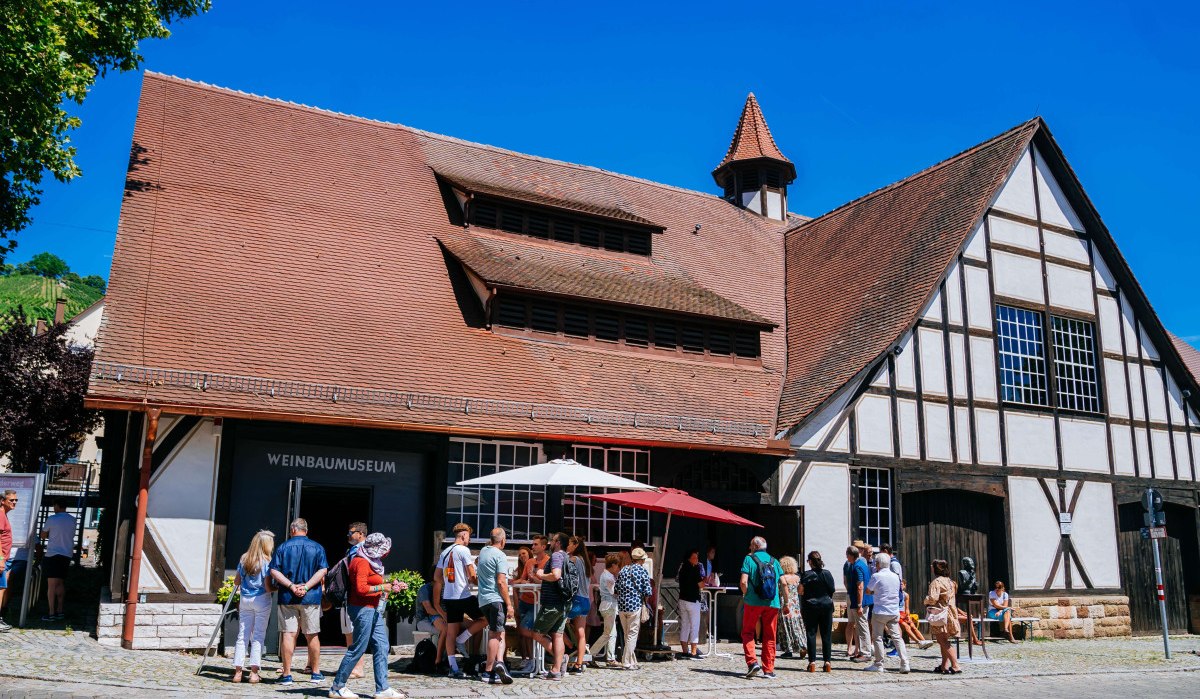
x: 217, y: 629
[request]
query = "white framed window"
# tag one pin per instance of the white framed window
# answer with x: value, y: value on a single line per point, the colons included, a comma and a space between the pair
x: 521, y: 510
x: 875, y: 506
x: 1020, y: 343
x: 601, y: 522
x: 1077, y: 386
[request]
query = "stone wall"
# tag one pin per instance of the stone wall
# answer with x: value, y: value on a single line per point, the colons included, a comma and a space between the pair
x: 169, y: 625
x: 1075, y: 617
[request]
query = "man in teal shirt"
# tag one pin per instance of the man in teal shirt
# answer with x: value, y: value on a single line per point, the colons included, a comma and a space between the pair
x: 491, y: 569
x: 760, y: 573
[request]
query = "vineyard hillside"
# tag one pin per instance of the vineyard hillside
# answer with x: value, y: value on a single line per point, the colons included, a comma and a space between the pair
x: 39, y: 294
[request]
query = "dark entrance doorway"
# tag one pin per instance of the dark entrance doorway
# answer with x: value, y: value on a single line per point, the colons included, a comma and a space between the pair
x: 950, y: 524
x: 330, y: 510
x: 1181, y: 572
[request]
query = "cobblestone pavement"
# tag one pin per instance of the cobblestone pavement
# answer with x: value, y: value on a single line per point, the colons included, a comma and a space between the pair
x: 59, y: 664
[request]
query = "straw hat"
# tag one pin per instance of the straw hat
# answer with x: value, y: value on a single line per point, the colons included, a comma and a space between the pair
x: 638, y: 554
x: 859, y: 544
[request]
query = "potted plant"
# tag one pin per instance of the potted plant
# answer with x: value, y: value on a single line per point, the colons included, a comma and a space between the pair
x: 402, y: 606
x: 229, y: 624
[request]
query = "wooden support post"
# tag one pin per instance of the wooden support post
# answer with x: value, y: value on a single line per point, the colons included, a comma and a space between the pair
x: 139, y: 530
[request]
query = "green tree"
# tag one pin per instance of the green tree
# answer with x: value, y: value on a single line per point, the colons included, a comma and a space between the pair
x: 96, y: 282
x: 51, y: 52
x: 45, y: 264
x: 43, y: 381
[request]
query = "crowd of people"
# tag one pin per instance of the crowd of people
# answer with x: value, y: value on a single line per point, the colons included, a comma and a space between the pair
x: 558, y: 590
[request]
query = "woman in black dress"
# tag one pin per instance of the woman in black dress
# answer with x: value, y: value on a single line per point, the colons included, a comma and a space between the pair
x: 816, y: 608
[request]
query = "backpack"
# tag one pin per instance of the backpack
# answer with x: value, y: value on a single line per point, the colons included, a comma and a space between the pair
x: 337, y: 583
x: 424, y: 656
x: 766, y: 583
x: 569, y: 583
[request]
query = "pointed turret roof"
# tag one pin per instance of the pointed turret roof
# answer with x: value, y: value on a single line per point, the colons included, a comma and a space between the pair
x: 752, y: 141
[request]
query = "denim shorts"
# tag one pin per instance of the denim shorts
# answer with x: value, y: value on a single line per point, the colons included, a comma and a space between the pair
x: 525, y: 614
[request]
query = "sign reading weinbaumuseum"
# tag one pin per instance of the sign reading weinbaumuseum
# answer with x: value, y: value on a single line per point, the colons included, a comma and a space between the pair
x: 305, y: 459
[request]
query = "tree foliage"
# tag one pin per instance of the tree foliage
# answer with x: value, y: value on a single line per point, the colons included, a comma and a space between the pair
x: 46, y: 264
x: 43, y: 381
x: 51, y: 52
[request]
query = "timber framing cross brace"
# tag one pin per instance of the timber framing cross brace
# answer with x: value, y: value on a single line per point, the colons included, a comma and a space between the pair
x: 1066, y: 548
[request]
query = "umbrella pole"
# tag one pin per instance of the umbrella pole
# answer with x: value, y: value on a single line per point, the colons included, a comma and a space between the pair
x: 662, y: 560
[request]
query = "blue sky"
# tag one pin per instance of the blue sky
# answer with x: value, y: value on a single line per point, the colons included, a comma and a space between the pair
x: 857, y: 94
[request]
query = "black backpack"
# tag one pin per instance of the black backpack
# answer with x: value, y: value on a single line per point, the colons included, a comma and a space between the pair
x: 569, y: 583
x: 337, y: 583
x: 423, y: 657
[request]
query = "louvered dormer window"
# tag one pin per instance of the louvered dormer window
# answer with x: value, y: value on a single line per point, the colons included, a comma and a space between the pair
x: 559, y: 226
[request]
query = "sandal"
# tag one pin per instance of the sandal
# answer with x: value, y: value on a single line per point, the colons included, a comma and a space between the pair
x: 828, y: 668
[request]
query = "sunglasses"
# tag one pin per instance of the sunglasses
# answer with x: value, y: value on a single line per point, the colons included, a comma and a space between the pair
x: 11, y: 500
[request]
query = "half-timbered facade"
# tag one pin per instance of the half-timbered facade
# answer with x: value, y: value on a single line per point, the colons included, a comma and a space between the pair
x: 1005, y: 391
x: 317, y: 314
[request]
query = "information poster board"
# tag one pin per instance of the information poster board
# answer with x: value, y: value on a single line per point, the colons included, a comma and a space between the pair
x: 23, y: 518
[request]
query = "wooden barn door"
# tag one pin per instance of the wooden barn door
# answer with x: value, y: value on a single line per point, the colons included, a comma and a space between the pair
x: 1179, y: 553
x: 950, y: 524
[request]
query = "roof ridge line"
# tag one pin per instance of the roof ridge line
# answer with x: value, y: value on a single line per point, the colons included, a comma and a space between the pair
x: 919, y: 174
x: 429, y: 134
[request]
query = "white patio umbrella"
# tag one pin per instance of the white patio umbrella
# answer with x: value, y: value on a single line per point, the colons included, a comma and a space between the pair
x: 559, y: 472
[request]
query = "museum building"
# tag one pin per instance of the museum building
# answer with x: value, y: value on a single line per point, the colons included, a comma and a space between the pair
x: 315, y: 314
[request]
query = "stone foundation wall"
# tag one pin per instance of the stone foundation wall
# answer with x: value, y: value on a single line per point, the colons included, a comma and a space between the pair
x: 167, y: 625
x: 1075, y: 617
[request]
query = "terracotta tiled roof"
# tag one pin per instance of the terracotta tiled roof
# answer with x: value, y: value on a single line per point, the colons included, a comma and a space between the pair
x: 515, y: 262
x: 279, y: 243
x: 541, y: 195
x: 752, y: 139
x: 858, y: 276
x: 1190, y: 355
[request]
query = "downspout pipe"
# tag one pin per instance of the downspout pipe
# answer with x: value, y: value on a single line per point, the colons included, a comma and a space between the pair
x: 139, y: 530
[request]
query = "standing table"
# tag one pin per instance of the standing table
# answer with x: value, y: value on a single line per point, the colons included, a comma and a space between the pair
x: 539, y: 653
x: 712, y: 594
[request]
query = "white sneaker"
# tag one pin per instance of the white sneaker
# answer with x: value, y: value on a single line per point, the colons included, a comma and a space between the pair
x: 875, y: 667
x: 905, y: 670
x: 390, y: 693
x: 343, y: 693
x: 925, y: 645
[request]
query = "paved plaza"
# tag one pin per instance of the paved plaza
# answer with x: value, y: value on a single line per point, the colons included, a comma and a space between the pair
x: 63, y: 664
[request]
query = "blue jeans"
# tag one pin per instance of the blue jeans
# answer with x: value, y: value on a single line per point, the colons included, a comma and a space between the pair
x: 370, y: 625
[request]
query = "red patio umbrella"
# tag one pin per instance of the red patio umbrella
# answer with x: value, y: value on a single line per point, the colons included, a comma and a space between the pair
x: 673, y: 502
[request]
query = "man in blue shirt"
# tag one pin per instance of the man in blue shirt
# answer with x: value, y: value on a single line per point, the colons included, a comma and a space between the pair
x: 856, y: 577
x: 298, y: 567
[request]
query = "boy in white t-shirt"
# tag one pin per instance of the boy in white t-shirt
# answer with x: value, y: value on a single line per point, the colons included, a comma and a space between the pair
x: 452, y: 595
x: 59, y: 537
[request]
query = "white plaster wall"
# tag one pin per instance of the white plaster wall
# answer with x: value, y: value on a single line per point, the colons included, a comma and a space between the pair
x: 1122, y: 441
x: 1141, y: 443
x: 1104, y: 277
x: 1114, y: 385
x: 149, y: 582
x: 1016, y: 196
x: 1008, y: 232
x: 979, y: 301
x: 1055, y: 207
x: 1094, y: 535
x: 906, y: 376
x: 1196, y: 453
x: 881, y: 379
x: 1110, y: 324
x: 1182, y: 458
x: 983, y: 368
x: 937, y: 432
x: 1149, y: 351
x: 1155, y: 397
x: 1135, y: 385
x: 933, y: 362
x: 910, y: 445
x: 1084, y: 445
x: 816, y: 434
x: 962, y: 434
x: 1131, y: 340
x: 180, y: 506
x: 83, y: 327
x: 1069, y: 288
x: 976, y: 248
x: 1035, y: 535
x: 874, y: 417
x: 933, y: 311
x: 1174, y: 401
x: 954, y: 300
x: 774, y: 205
x: 1030, y: 440
x: 825, y: 494
x: 987, y: 435
x: 1066, y: 247
x: 1017, y: 276
x: 958, y: 364
x: 1160, y: 443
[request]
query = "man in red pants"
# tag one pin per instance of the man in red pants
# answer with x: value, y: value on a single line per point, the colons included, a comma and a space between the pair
x: 760, y: 595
